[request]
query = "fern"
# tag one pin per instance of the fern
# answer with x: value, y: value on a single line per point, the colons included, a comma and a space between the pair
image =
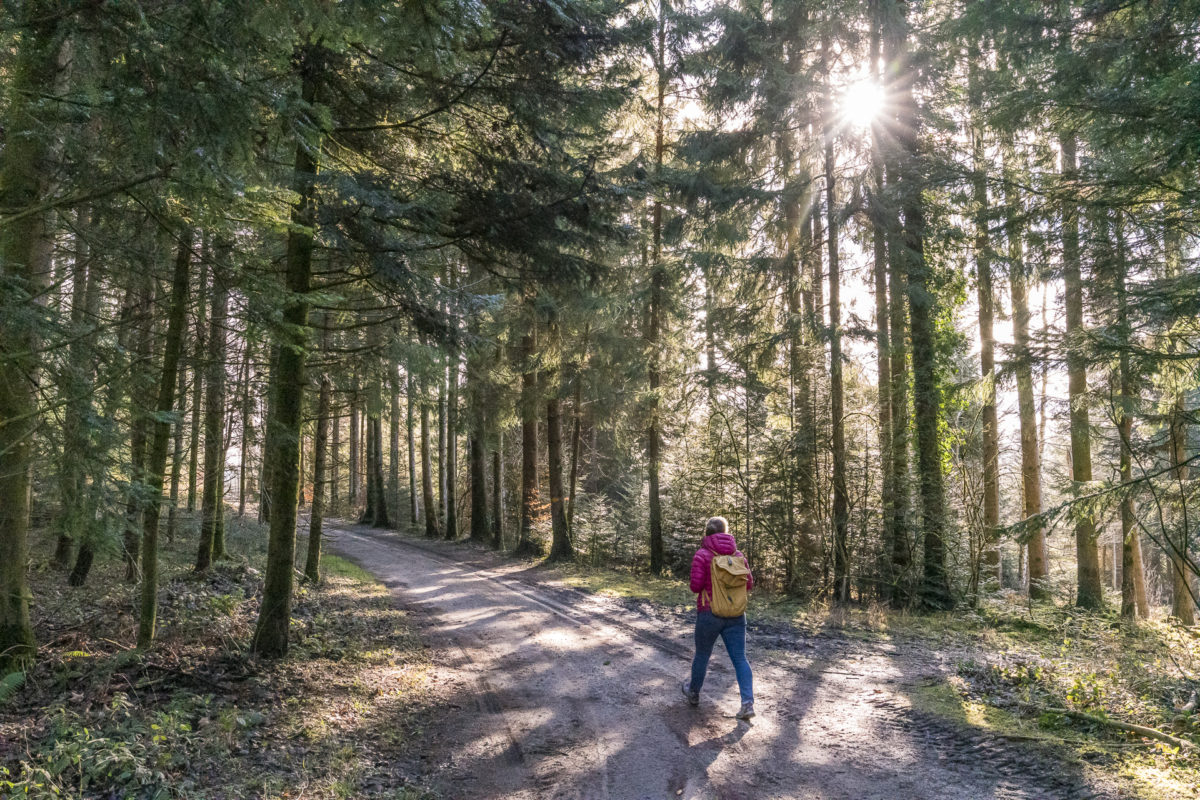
x: 9, y: 685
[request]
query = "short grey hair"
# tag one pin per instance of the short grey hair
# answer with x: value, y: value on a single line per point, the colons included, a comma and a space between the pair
x: 716, y: 525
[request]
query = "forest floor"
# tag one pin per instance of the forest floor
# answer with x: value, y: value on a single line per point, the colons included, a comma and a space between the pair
x: 527, y: 681
x: 195, y: 716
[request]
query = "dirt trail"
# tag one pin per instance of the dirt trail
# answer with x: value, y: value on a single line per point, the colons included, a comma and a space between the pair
x: 552, y: 693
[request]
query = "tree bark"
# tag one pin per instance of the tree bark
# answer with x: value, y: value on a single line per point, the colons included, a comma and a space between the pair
x: 476, y: 453
x: 1131, y: 556
x: 24, y: 266
x: 157, y: 462
x: 451, y: 473
x: 1183, y: 596
x: 177, y: 449
x: 312, y: 562
x: 498, y: 493
x: 526, y: 544
x: 561, y: 548
x: 335, y: 457
x: 987, y: 340
x: 1091, y: 590
x: 271, y: 633
x: 393, y: 440
x: 935, y: 589
x: 841, y: 497
x: 380, y: 518
x: 655, y: 321
x: 1031, y: 469
x: 879, y: 233
x: 355, y: 440
x: 576, y: 426
x: 140, y: 388
x: 414, y: 508
x: 247, y: 425
x: 213, y: 499
x: 77, y: 387
x: 199, y: 349
x: 432, y: 526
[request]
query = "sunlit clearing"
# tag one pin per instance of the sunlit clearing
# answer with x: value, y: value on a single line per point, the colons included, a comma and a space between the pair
x: 861, y: 103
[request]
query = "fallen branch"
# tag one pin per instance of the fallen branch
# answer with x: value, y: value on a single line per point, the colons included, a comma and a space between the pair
x: 1128, y: 727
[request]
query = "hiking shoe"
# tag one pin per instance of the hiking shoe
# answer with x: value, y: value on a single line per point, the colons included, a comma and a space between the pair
x: 693, y: 698
x: 746, y: 711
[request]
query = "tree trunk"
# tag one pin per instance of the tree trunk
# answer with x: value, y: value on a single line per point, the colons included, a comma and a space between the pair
x: 935, y: 589
x: 287, y: 379
x: 24, y: 265
x: 987, y: 340
x: 355, y: 440
x: 380, y: 519
x: 841, y: 497
x: 414, y: 508
x: 77, y: 387
x: 1131, y: 556
x: 247, y: 425
x: 139, y: 415
x: 451, y: 473
x: 479, y: 502
x: 1031, y: 469
x: 560, y: 546
x: 441, y: 451
x: 526, y: 544
x: 498, y: 493
x: 213, y: 500
x: 177, y: 451
x: 173, y: 347
x: 393, y: 440
x: 1183, y: 596
x: 576, y: 426
x: 432, y: 527
x: 476, y: 453
x: 879, y: 233
x: 1091, y: 591
x: 655, y: 321
x: 312, y: 563
x: 335, y: 458
x: 199, y: 349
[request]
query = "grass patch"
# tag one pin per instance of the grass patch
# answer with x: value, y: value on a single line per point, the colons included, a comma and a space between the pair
x: 196, y: 716
x: 627, y: 585
x: 337, y: 567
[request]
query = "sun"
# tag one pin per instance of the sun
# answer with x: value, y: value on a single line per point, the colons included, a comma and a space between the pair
x: 861, y: 103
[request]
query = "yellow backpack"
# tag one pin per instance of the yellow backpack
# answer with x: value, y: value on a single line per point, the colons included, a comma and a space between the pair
x: 729, y: 576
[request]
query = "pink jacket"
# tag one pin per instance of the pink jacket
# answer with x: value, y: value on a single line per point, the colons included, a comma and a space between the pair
x: 716, y: 544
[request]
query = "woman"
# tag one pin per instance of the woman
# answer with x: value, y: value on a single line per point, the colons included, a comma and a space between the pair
x: 732, y: 630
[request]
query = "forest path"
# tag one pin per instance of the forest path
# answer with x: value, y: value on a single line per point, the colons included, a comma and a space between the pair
x: 553, y: 693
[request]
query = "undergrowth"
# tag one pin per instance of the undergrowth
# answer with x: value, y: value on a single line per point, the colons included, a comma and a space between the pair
x: 196, y: 716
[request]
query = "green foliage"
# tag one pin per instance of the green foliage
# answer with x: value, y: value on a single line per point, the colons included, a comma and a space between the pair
x: 10, y: 684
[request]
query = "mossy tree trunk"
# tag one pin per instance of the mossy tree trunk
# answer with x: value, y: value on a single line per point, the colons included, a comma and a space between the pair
x: 287, y: 386
x: 24, y: 264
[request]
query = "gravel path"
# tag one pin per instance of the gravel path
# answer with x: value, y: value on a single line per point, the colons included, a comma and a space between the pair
x: 554, y: 693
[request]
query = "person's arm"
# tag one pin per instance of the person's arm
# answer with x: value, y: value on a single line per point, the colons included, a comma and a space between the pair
x: 749, y: 576
x: 699, y: 574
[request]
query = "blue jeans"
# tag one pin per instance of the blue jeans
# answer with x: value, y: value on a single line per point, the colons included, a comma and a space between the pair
x: 732, y: 631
